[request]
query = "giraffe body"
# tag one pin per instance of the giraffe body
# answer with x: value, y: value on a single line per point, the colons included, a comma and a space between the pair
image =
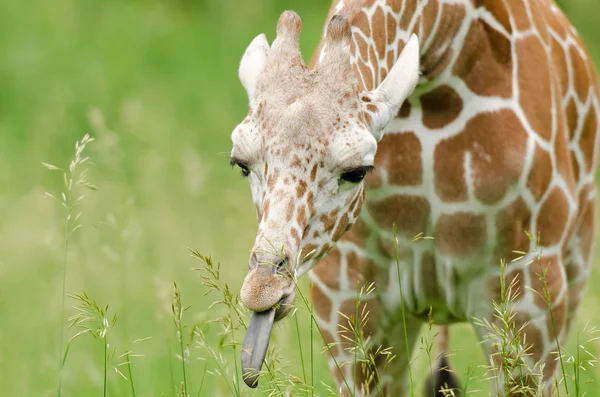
x: 499, y: 137
x: 488, y: 146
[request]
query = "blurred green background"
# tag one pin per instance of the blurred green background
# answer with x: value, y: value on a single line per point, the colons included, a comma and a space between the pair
x: 155, y: 82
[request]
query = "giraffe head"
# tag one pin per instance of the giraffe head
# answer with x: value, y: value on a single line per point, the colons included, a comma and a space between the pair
x: 308, y: 141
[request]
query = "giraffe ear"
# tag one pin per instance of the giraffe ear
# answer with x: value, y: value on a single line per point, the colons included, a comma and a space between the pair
x: 253, y: 63
x: 395, y: 88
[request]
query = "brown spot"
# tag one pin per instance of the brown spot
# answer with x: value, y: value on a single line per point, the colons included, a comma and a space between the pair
x: 301, y: 189
x: 547, y: 268
x: 289, y: 212
x: 272, y: 179
x: 404, y: 111
x: 310, y: 200
x: 371, y: 108
x: 540, y: 24
x: 378, y: 24
x: 497, y: 145
x: 410, y: 7
x: 349, y: 308
x: 313, y: 173
x: 483, y: 65
x: 355, y: 201
x: 430, y: 13
x: 564, y: 164
x: 587, y: 142
x: 365, y: 117
x: 575, y: 164
x: 441, y: 106
x: 328, y: 269
x: 580, y: 73
x: 533, y: 339
x: 550, y: 366
x: 461, y: 234
x: 373, y: 59
x: 354, y: 270
x: 586, y: 226
x: 557, y: 22
x: 364, y: 71
x: 321, y: 303
x: 572, y: 117
x: 392, y: 26
x: 553, y: 217
x: 511, y: 224
x: 361, y: 21
x: 324, y: 250
x: 331, y: 347
x: 519, y: 14
x: 400, y: 156
x: 409, y: 213
x: 308, y: 251
x: 301, y: 217
x: 295, y: 235
x: 359, y: 205
x: 328, y: 220
x: 500, y: 12
x: 362, y: 270
x: 534, y: 85
x: 296, y: 162
x: 341, y: 228
x: 541, y: 173
x: 559, y: 313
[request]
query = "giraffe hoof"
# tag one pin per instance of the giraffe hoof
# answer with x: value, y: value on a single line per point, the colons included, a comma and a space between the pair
x: 255, y: 346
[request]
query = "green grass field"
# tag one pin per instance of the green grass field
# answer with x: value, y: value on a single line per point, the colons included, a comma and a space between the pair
x: 155, y: 82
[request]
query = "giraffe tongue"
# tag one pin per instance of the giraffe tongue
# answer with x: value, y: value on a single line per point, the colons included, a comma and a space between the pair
x: 255, y: 347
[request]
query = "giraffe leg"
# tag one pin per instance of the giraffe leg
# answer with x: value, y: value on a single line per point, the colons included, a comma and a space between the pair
x: 579, y: 256
x: 361, y: 360
x: 525, y: 331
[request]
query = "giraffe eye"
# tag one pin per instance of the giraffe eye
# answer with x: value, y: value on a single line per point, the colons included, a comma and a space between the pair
x: 243, y: 167
x: 356, y: 175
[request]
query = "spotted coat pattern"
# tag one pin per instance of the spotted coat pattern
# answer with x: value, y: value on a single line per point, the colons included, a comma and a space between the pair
x: 499, y: 138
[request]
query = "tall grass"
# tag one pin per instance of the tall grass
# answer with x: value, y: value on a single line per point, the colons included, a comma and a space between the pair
x: 510, y: 365
x: 74, y: 178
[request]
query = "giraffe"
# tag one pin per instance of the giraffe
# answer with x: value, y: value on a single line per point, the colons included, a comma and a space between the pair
x: 470, y: 121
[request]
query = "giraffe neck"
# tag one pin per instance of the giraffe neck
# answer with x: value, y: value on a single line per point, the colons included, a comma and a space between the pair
x: 382, y: 28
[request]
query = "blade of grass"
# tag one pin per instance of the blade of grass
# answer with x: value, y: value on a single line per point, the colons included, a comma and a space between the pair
x: 300, y: 346
x: 410, y: 384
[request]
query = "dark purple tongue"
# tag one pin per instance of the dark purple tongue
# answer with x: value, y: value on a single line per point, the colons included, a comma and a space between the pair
x: 255, y: 347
